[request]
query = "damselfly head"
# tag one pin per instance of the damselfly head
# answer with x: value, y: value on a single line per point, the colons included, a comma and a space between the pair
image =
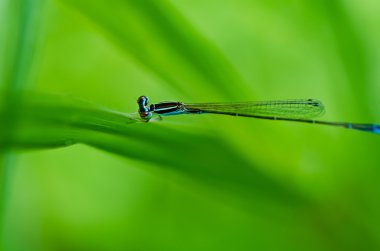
x: 143, y: 101
x: 144, y: 110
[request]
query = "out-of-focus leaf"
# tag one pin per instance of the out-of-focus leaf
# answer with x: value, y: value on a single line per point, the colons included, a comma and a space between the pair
x: 352, y: 50
x: 18, y: 44
x: 53, y: 121
x: 155, y: 34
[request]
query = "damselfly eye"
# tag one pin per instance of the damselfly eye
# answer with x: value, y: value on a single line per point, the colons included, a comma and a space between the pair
x: 143, y: 100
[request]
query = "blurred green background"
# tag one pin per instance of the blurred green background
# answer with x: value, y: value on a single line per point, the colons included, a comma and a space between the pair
x: 187, y: 182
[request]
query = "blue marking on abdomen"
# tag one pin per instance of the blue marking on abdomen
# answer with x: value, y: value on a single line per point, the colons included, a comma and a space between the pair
x: 376, y: 129
x: 176, y: 112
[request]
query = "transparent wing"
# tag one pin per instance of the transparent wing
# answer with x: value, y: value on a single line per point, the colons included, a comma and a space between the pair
x: 293, y: 108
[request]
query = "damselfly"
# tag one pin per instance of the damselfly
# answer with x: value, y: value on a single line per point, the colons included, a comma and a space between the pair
x: 297, y: 110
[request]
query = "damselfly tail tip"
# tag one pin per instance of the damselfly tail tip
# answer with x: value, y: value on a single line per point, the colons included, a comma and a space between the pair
x: 372, y: 128
x: 376, y: 129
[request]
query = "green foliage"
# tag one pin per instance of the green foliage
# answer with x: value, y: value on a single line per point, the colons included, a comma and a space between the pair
x: 186, y: 182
